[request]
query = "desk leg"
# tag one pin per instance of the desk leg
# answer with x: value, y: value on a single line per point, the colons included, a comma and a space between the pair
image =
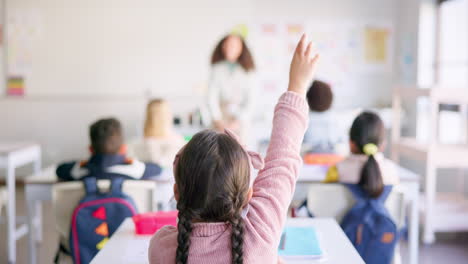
x: 38, y: 223
x: 30, y: 206
x: 11, y: 225
x: 38, y: 209
x: 414, y: 226
x: 429, y: 236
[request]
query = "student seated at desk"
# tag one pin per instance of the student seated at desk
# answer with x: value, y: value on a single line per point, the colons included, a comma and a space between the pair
x: 161, y: 143
x: 367, y: 165
x: 108, y: 157
x: 226, y: 216
x: 322, y: 135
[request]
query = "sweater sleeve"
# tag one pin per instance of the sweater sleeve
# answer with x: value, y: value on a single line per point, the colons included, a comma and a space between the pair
x: 274, y: 186
x: 64, y: 171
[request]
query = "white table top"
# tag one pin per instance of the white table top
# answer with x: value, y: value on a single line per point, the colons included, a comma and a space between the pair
x: 133, y: 249
x: 308, y: 173
x: 317, y: 173
x: 49, y: 176
x: 8, y: 147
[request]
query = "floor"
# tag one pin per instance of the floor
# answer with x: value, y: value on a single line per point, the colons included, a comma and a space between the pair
x: 449, y: 248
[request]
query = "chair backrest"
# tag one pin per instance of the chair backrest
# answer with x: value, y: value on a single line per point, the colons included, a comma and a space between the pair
x: 66, y: 196
x: 335, y: 200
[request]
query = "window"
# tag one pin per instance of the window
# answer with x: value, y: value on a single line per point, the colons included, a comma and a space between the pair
x: 453, y: 43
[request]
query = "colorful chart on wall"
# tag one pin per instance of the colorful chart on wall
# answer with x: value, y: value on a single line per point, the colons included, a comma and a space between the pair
x: 15, y: 86
x: 24, y: 27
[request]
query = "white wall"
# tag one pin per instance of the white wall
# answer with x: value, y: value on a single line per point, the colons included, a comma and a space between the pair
x: 59, y: 121
x: 116, y: 47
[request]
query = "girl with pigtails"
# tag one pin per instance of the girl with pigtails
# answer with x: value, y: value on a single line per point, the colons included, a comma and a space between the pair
x: 225, y: 215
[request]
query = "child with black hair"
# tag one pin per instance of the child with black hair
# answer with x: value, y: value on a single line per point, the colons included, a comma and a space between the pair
x: 366, y: 166
x: 108, y: 157
x: 322, y: 135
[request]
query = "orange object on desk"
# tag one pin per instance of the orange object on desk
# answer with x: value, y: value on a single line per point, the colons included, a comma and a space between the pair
x: 322, y: 159
x: 149, y: 223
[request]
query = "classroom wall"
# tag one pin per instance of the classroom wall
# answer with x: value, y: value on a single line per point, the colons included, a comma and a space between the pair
x: 59, y: 120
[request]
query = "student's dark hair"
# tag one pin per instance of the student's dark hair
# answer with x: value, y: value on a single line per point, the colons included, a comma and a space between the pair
x: 319, y: 96
x: 368, y: 128
x: 212, y: 176
x: 106, y: 136
x: 245, y: 59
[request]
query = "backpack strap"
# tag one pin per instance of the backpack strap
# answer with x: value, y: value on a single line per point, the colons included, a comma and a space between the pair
x: 61, y: 249
x: 386, y: 192
x: 90, y: 185
x: 116, y: 185
x: 357, y: 192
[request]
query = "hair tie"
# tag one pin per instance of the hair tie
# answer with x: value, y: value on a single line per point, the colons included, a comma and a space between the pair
x: 370, y: 149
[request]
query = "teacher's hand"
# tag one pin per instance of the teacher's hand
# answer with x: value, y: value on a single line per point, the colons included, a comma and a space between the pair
x: 234, y: 125
x: 219, y: 125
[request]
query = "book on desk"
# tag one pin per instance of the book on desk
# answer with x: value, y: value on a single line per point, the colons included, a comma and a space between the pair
x: 299, y: 243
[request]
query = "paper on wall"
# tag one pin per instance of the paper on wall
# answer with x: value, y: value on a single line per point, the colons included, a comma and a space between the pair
x: 376, y: 45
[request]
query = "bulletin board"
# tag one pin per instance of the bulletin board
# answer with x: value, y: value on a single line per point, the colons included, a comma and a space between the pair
x: 351, y: 53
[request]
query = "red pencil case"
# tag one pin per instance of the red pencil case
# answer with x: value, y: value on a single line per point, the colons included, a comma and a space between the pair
x: 149, y: 223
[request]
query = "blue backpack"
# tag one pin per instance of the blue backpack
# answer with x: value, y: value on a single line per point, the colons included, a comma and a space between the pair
x: 370, y: 227
x: 96, y: 218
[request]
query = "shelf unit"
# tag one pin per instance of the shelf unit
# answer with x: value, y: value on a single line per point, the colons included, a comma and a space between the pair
x: 441, y: 212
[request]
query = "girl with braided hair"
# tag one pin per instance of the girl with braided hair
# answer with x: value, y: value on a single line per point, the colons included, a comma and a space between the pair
x: 225, y: 216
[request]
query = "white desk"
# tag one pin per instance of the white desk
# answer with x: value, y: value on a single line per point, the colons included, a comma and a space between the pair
x: 409, y: 184
x: 134, y: 249
x: 12, y: 156
x: 38, y: 189
x: 334, y: 243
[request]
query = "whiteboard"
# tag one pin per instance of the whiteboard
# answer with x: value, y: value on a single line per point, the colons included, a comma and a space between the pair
x: 123, y: 49
x: 116, y: 47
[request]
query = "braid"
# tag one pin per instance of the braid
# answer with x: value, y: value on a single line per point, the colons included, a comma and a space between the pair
x: 237, y: 239
x: 184, y: 227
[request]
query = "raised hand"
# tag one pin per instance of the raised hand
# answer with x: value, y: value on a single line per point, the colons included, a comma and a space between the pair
x: 303, y: 66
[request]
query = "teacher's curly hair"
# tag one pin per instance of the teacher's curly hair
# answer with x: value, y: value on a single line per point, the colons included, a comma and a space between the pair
x: 245, y: 59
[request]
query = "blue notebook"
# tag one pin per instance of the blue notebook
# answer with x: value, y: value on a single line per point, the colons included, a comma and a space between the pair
x: 299, y: 242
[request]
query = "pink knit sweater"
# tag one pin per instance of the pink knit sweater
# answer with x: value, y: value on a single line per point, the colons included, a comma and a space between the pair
x: 272, y: 193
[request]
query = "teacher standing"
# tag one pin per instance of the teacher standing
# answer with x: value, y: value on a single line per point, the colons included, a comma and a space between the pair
x: 231, y: 86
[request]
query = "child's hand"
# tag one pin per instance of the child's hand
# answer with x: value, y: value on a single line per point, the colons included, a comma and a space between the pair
x: 303, y: 66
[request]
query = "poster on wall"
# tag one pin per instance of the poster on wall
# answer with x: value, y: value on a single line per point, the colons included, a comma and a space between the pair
x: 375, y: 45
x: 15, y: 86
x: 24, y: 28
x: 339, y: 46
x: 350, y: 52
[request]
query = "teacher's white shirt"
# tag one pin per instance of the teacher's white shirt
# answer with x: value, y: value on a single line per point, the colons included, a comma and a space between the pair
x: 230, y: 92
